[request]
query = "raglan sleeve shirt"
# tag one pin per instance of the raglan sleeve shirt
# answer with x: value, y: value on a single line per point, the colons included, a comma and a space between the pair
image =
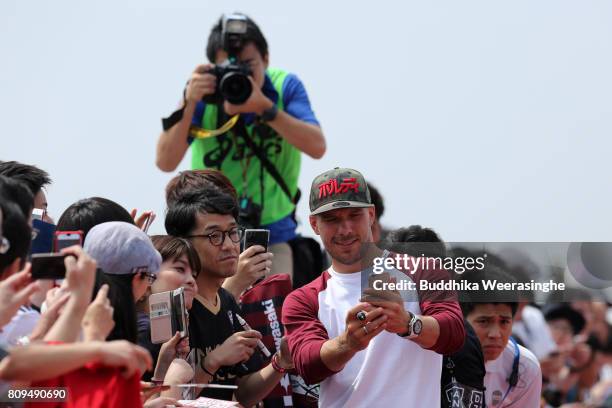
x: 305, y: 332
x: 442, y: 305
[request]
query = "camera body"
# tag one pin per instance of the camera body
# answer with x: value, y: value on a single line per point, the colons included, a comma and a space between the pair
x: 233, y: 84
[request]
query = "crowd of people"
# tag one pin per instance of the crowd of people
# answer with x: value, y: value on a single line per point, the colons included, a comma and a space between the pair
x: 281, y: 325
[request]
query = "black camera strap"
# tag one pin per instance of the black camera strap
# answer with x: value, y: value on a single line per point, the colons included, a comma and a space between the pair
x: 260, y: 154
x: 177, y: 115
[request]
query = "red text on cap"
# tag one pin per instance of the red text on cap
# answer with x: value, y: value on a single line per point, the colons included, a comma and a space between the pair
x: 331, y: 187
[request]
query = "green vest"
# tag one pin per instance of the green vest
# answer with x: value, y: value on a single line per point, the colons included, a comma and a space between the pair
x: 222, y: 153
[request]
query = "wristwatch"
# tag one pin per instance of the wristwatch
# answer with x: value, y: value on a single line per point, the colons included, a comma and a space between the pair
x: 268, y: 115
x: 415, y: 325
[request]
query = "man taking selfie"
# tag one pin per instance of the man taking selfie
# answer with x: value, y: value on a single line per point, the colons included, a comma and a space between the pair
x: 365, y: 351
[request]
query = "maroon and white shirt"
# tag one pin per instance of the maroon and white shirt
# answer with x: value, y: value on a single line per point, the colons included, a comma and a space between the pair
x: 391, y: 369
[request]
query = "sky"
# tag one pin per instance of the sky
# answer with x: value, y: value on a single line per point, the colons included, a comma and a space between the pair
x: 485, y: 120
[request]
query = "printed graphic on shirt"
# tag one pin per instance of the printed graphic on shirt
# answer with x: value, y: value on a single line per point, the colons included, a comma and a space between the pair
x: 462, y: 396
x: 207, y: 331
x: 270, y: 144
x: 496, y: 398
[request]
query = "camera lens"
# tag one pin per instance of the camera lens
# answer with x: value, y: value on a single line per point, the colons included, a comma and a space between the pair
x: 235, y: 87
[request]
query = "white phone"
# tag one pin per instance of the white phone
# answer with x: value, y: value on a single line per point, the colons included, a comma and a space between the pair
x: 168, y: 315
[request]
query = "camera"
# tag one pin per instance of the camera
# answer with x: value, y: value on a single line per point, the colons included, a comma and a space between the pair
x: 233, y: 84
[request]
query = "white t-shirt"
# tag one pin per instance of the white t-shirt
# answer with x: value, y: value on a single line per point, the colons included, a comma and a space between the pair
x: 392, y: 371
x: 389, y: 370
x: 534, y: 332
x: 527, y: 392
x: 21, y: 325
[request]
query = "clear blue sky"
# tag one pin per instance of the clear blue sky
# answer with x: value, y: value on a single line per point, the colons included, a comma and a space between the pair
x: 484, y: 120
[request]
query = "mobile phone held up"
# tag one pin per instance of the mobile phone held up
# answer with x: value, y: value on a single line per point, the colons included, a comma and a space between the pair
x: 65, y: 239
x: 42, y: 236
x: 168, y: 315
x: 48, y: 266
x: 256, y: 237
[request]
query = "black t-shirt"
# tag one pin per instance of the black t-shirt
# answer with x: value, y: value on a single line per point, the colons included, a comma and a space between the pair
x: 207, y: 331
x: 467, y: 367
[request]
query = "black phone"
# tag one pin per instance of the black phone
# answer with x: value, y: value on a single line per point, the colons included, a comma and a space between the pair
x: 48, y: 266
x: 256, y: 237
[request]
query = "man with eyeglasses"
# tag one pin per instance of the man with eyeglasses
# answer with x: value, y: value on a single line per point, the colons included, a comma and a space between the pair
x: 253, y: 263
x: 225, y: 353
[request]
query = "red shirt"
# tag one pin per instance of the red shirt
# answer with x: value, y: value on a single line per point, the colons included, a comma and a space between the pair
x: 94, y: 386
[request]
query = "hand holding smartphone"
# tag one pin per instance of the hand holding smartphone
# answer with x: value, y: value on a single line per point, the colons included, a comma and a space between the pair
x: 48, y: 266
x: 168, y: 315
x: 256, y: 237
x: 51, y: 265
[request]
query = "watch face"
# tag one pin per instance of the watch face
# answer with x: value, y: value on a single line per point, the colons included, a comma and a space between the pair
x: 417, y: 327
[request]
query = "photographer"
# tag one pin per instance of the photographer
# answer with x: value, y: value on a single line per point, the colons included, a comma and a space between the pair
x: 276, y: 123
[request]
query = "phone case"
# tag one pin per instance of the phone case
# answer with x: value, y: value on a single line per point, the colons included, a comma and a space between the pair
x: 43, y: 237
x: 160, y: 308
x: 181, y: 320
x: 168, y: 315
x: 65, y: 239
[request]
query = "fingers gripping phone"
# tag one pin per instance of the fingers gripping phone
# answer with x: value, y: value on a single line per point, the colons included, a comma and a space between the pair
x: 51, y: 265
x: 257, y: 237
x: 48, y: 266
x: 168, y: 315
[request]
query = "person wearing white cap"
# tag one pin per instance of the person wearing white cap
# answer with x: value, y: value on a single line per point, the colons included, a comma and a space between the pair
x: 130, y: 263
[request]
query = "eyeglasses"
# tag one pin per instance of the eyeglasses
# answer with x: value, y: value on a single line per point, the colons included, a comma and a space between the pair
x: 217, y: 238
x: 5, y: 245
x: 150, y: 277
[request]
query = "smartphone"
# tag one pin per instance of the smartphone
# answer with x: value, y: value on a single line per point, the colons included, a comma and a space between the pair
x: 48, y: 266
x: 179, y: 312
x: 168, y: 315
x: 256, y: 237
x: 38, y: 214
x: 148, y: 222
x: 65, y: 239
x: 42, y: 237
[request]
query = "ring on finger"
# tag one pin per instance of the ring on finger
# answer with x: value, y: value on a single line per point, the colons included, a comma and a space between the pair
x: 365, y: 329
